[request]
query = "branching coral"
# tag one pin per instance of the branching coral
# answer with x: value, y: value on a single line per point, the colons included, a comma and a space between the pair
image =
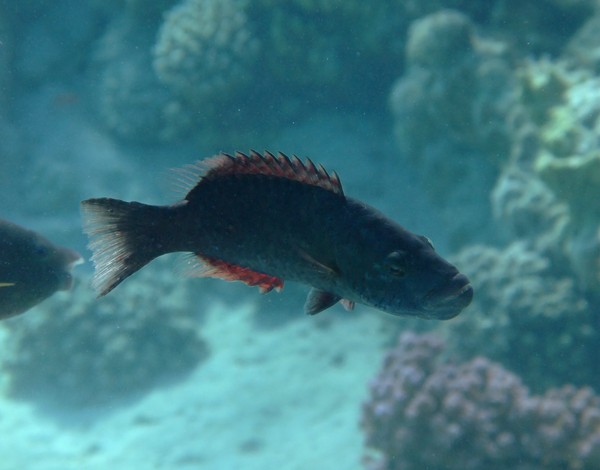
x: 427, y: 413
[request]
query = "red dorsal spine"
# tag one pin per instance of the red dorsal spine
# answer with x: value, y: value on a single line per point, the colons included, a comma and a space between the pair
x: 280, y: 166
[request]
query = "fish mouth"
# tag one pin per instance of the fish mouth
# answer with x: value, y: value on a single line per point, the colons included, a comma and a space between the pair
x: 65, y: 278
x: 65, y: 281
x: 446, y: 302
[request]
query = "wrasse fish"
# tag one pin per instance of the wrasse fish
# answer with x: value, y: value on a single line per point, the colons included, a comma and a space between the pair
x: 263, y: 219
x: 32, y: 268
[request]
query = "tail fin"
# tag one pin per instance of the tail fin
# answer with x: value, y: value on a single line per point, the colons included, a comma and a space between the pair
x: 124, y: 237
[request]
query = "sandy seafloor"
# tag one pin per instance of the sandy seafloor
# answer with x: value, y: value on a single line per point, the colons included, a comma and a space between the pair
x: 284, y: 397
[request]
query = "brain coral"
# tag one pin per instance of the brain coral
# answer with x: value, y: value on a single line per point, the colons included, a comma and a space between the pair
x: 426, y: 413
x: 205, y: 50
x: 78, y: 351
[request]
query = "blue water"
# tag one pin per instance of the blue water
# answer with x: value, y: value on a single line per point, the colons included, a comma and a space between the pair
x: 476, y: 127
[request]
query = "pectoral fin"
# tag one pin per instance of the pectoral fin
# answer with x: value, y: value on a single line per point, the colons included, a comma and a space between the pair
x: 6, y: 284
x: 318, y: 265
x: 319, y: 300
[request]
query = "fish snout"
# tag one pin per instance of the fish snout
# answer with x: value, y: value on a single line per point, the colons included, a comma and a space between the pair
x: 65, y: 280
x: 449, y: 300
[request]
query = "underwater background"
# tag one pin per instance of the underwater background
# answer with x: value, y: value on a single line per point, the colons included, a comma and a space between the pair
x: 474, y: 123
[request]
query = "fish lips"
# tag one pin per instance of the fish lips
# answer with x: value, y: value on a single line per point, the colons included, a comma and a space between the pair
x: 64, y: 278
x: 449, y: 300
x: 65, y: 281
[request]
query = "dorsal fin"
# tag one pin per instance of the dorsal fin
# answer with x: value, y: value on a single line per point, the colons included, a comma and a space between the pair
x: 280, y: 166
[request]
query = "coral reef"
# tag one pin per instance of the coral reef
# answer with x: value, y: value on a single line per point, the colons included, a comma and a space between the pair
x: 454, y: 113
x: 527, y: 314
x: 457, y: 89
x: 78, y: 351
x: 205, y: 51
x: 577, y: 179
x: 128, y: 97
x: 466, y: 110
x: 536, y: 298
x: 157, y: 78
x: 424, y: 412
x: 528, y: 210
x: 208, y: 55
x: 329, y: 49
x: 341, y: 46
x: 565, y: 105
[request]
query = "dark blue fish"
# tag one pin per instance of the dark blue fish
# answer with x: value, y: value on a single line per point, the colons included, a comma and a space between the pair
x: 263, y: 219
x: 31, y: 269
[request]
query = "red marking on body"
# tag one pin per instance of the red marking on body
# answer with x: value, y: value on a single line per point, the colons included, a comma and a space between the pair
x: 280, y: 166
x: 214, y: 267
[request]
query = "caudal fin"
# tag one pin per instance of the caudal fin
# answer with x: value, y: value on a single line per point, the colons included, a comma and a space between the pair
x: 124, y: 237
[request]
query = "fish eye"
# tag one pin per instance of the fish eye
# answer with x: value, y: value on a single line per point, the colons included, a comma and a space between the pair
x: 396, y: 263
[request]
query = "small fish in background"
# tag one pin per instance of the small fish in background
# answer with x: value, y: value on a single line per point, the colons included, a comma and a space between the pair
x: 31, y: 269
x: 261, y: 219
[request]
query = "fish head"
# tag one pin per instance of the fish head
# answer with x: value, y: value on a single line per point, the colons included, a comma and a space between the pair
x: 55, y: 263
x: 400, y: 273
x: 31, y: 267
x: 43, y: 267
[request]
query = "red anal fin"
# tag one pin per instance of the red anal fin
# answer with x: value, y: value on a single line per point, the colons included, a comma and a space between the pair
x: 214, y: 267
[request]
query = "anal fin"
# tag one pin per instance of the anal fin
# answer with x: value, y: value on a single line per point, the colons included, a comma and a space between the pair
x: 214, y: 267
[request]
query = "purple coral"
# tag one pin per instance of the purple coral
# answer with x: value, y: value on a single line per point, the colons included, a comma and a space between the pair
x: 426, y: 413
